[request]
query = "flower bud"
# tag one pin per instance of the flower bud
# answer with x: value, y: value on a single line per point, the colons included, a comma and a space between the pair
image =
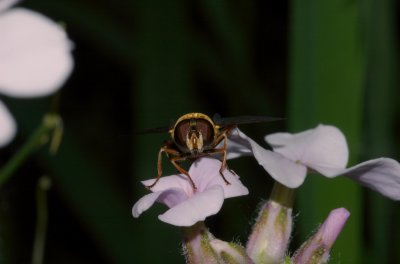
x: 230, y: 253
x: 196, y: 244
x: 269, y: 238
x: 200, y: 246
x: 317, y: 248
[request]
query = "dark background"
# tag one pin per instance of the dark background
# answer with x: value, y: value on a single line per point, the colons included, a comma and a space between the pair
x: 141, y: 64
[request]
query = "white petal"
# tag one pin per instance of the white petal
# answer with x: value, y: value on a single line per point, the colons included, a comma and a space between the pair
x: 281, y: 139
x: 323, y: 149
x: 5, y: 4
x: 238, y: 145
x: 233, y: 189
x: 283, y: 170
x: 144, y: 203
x: 195, y: 209
x: 381, y: 175
x: 35, y: 54
x: 170, y: 197
x: 205, y: 173
x: 7, y: 125
x: 170, y: 182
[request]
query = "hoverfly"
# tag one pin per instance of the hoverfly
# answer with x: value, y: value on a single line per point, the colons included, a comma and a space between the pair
x: 196, y: 135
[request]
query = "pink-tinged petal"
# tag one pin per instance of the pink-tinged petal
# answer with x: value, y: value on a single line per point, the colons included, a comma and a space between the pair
x: 381, y: 175
x: 238, y: 145
x: 7, y: 124
x: 144, y: 203
x: 205, y: 173
x: 170, y: 197
x: 35, y: 54
x: 282, y: 169
x: 5, y: 4
x: 234, y: 188
x: 323, y: 149
x: 195, y: 209
x: 186, y: 206
x: 170, y: 182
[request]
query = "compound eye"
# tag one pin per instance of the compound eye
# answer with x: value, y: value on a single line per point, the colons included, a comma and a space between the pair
x: 205, y: 128
x: 180, y: 132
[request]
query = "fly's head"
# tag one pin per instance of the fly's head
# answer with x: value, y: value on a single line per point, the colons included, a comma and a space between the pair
x: 193, y: 133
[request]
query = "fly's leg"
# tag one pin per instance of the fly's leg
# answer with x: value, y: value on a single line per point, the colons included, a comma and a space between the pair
x: 223, y: 136
x: 223, y: 160
x: 174, y: 162
x: 168, y: 151
x: 223, y: 164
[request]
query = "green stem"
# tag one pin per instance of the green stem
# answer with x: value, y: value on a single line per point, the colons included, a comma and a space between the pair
x: 41, y: 220
x: 282, y: 195
x: 39, y: 137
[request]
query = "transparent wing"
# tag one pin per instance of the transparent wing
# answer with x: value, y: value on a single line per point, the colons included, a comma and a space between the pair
x: 242, y: 120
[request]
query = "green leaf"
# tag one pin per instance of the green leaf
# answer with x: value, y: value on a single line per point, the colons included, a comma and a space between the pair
x: 381, y: 100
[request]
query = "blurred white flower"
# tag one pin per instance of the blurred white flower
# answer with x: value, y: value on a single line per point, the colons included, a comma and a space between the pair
x: 35, y: 58
x: 186, y: 206
x: 322, y: 149
x: 5, y: 4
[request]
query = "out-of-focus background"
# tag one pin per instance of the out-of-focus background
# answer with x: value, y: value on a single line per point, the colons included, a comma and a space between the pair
x: 142, y: 64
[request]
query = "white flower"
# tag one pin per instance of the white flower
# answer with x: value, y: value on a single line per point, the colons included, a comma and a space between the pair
x: 186, y: 206
x: 322, y: 149
x: 35, y: 58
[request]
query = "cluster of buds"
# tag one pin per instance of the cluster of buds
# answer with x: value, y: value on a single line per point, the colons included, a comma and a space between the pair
x: 269, y: 239
x: 323, y: 149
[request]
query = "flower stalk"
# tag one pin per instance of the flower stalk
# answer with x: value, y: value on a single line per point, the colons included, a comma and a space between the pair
x: 43, y: 186
x: 49, y: 128
x: 282, y: 195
